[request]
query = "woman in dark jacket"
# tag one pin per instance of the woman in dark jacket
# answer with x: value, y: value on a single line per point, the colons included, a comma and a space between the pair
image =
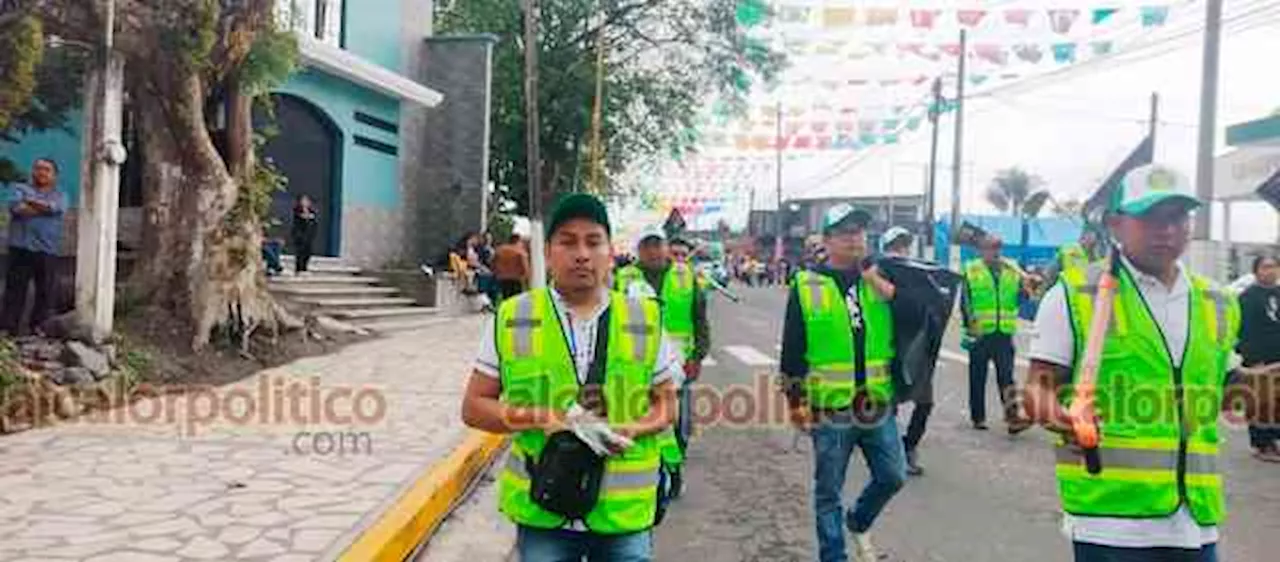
x: 305, y: 222
x: 1260, y: 343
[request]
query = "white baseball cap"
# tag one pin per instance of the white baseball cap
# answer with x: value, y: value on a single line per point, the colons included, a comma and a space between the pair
x: 892, y: 235
x: 1146, y: 186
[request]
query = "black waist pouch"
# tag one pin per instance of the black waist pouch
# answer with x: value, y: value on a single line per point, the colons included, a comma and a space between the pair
x: 566, y: 478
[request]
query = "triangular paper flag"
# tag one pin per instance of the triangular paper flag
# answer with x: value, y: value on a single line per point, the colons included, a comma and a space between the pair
x: 952, y: 49
x: 1154, y: 16
x: 923, y: 18
x: 882, y: 16
x: 1029, y: 52
x: 1062, y: 20
x: 970, y: 18
x: 1018, y: 17
x: 977, y: 79
x: 1064, y: 52
x: 1101, y: 14
x: 913, y: 123
x: 835, y: 18
x: 751, y: 12
x: 1102, y: 47
x: 991, y: 52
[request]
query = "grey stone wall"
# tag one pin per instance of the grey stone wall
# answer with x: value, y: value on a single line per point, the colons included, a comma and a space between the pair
x: 445, y: 150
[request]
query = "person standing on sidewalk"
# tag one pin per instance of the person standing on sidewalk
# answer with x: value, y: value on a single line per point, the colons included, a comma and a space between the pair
x: 989, y: 303
x: 305, y: 224
x: 1260, y: 344
x: 674, y: 284
x: 35, y: 238
x: 511, y: 267
x: 1159, y: 495
x: 536, y: 358
x: 837, y: 343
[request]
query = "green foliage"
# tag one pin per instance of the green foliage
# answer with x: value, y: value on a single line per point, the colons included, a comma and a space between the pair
x: 135, y: 362
x: 21, y: 48
x: 665, y: 62
x: 271, y: 60
x: 189, y: 33
x: 1012, y: 189
x: 9, y: 365
x: 500, y: 227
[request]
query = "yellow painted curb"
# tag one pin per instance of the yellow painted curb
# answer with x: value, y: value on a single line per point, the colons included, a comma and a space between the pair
x: 424, y: 506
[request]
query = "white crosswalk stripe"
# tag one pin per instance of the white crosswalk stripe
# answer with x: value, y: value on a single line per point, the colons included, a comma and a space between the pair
x: 709, y: 361
x: 749, y: 355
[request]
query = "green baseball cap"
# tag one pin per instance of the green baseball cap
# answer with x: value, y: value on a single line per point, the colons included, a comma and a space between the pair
x: 579, y: 206
x: 1145, y: 187
x: 844, y: 214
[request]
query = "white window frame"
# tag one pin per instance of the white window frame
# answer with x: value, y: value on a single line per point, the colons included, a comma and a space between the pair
x: 303, y: 16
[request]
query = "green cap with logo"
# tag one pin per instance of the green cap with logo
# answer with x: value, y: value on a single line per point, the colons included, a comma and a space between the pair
x: 1146, y: 186
x: 844, y: 215
x: 578, y: 206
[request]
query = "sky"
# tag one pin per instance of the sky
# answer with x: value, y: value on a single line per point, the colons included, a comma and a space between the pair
x: 1069, y: 124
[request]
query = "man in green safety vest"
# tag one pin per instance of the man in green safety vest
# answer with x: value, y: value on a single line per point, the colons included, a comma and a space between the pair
x: 535, y: 359
x: 837, y: 343
x: 674, y: 284
x: 989, y: 305
x: 1073, y: 259
x: 1161, y: 382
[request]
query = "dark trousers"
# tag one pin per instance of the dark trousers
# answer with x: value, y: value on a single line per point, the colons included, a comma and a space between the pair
x: 1096, y: 553
x: 997, y: 348
x: 302, y: 253
x: 915, y: 428
x: 1263, y: 436
x: 26, y: 266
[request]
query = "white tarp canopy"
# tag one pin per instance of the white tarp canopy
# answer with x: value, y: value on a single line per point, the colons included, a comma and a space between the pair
x: 1239, y: 172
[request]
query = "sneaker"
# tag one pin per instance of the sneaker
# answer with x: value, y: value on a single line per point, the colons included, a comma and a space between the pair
x: 980, y: 425
x: 1018, y: 425
x: 913, y: 463
x: 863, y: 550
x: 1269, y: 454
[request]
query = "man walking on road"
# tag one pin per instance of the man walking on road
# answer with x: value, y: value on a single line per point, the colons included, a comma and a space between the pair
x: 553, y: 366
x: 989, y: 303
x: 837, y: 343
x: 674, y: 284
x: 1159, y: 495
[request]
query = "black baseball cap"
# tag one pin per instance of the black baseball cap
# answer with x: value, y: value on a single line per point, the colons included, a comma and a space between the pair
x: 579, y: 206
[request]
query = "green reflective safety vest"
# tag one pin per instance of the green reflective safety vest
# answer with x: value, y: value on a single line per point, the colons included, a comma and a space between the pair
x: 993, y: 306
x: 678, y: 287
x: 831, y: 383
x: 1073, y: 263
x: 537, y: 369
x: 1159, y: 442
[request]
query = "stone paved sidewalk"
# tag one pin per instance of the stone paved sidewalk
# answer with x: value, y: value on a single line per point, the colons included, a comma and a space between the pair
x: 263, y: 481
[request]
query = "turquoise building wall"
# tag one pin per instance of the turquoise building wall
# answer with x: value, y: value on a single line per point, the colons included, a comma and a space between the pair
x: 62, y: 146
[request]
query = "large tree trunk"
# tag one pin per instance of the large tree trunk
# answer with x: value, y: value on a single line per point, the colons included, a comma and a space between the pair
x: 202, y: 268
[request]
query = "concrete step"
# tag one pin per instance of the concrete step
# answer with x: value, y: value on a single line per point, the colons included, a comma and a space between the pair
x: 323, y: 279
x: 389, y: 312
x: 334, y: 291
x: 315, y: 260
x: 374, y: 302
x: 401, y: 324
x: 321, y: 268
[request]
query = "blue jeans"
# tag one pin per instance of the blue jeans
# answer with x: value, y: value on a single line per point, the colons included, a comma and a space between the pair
x: 542, y: 545
x: 834, y: 439
x: 1097, y: 553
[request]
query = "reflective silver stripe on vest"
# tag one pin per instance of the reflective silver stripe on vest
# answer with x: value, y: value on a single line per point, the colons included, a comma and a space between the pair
x: 639, y: 330
x: 522, y: 326
x: 613, y: 481
x: 1220, y: 312
x: 814, y: 284
x: 1141, y: 459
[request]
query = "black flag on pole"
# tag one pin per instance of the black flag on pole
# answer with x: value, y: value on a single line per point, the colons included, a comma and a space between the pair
x: 1269, y: 191
x: 1098, y: 203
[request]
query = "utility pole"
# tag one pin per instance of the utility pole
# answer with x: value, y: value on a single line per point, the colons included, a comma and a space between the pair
x: 777, y: 234
x: 935, y: 113
x: 1208, y: 116
x: 1155, y: 121
x: 597, y: 116
x: 104, y: 153
x: 959, y: 141
x: 533, y: 164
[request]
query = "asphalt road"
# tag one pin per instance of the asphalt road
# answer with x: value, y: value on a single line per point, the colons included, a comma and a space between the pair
x: 984, y: 497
